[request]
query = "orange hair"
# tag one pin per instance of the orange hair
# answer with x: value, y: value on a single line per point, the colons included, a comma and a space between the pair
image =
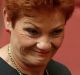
x: 16, y: 8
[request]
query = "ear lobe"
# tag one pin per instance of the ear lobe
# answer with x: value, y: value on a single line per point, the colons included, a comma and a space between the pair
x: 8, y: 26
x: 7, y: 21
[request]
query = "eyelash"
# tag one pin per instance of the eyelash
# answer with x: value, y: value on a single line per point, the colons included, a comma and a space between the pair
x: 57, y: 32
x: 31, y: 31
x: 34, y: 33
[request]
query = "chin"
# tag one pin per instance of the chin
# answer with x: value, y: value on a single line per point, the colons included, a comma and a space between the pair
x: 36, y: 61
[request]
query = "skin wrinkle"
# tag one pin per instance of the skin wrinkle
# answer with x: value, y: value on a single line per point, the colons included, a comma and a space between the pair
x: 36, y: 32
x: 27, y: 48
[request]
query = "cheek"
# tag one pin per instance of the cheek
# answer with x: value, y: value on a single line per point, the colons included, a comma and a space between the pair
x: 25, y: 40
x: 23, y: 44
x: 58, y: 41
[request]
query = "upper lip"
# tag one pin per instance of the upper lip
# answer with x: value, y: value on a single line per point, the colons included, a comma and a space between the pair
x: 42, y: 51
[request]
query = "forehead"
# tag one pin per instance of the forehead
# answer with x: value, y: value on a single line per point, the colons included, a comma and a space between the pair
x: 45, y: 18
x: 49, y: 16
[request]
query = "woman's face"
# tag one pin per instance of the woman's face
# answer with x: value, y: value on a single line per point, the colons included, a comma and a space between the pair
x: 36, y: 39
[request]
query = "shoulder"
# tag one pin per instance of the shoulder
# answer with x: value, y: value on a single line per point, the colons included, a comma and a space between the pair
x: 56, y: 68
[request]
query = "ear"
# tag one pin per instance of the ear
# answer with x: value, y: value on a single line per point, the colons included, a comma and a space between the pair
x: 7, y: 21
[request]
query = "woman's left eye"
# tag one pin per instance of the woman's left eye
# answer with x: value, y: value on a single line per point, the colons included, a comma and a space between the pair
x: 31, y: 31
x: 57, y: 32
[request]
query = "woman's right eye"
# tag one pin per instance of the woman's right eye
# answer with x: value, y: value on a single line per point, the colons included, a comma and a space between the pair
x: 31, y: 31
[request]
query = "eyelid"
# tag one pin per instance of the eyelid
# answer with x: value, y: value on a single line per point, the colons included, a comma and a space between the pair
x: 33, y: 34
x: 27, y: 28
x: 56, y: 32
x: 58, y: 28
x: 30, y: 29
x: 31, y: 25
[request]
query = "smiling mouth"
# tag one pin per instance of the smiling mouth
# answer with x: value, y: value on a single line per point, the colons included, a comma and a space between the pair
x: 42, y: 52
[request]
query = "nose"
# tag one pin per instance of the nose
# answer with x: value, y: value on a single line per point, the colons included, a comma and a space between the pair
x: 44, y: 45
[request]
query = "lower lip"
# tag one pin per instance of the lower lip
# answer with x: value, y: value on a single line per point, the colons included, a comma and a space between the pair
x: 42, y: 52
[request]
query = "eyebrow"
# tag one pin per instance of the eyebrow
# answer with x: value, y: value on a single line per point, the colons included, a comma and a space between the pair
x: 61, y: 25
x: 56, y: 27
x: 32, y: 25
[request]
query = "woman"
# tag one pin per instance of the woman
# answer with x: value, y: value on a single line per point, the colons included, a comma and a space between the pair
x: 36, y: 30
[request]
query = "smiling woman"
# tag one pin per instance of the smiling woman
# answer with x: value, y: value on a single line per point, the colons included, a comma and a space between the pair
x: 36, y: 30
